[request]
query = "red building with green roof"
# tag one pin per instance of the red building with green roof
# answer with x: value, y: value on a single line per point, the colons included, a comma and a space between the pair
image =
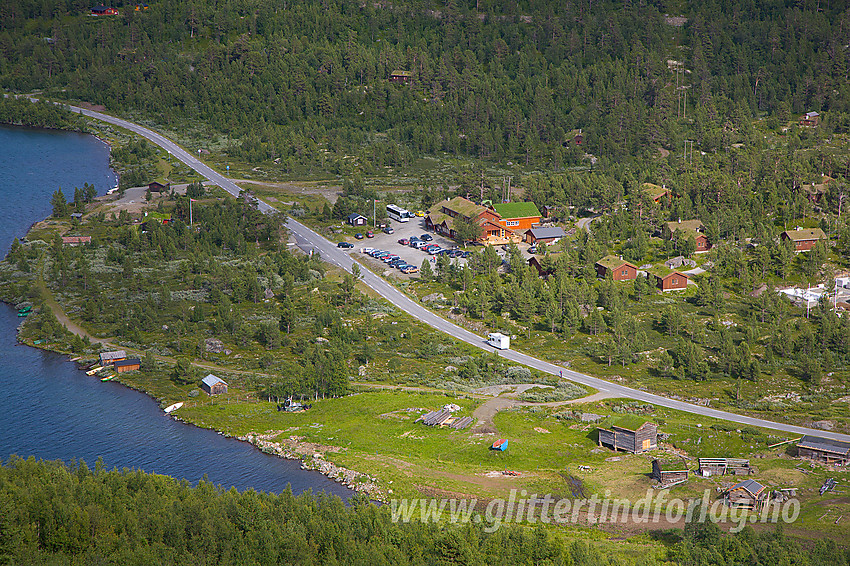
x: 517, y: 216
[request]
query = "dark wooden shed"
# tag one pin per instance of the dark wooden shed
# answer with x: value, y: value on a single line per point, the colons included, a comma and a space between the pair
x: 825, y: 450
x: 669, y: 472
x: 214, y: 385
x: 629, y: 435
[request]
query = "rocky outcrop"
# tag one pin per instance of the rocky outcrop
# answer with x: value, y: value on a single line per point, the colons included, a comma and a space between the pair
x: 312, y: 457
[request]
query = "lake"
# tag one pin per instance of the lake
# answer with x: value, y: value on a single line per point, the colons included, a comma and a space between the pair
x: 51, y: 410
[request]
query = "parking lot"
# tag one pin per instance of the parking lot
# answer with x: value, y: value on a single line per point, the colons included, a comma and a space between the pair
x: 389, y: 242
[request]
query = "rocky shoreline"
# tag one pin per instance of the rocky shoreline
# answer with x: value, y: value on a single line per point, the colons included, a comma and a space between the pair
x: 312, y: 458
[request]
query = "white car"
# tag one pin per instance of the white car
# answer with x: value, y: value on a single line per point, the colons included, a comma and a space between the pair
x: 367, y: 250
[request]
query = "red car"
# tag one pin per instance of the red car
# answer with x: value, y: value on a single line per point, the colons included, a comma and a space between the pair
x: 403, y: 241
x: 369, y: 234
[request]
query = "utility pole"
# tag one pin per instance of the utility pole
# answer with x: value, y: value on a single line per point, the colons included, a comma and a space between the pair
x: 374, y: 213
x: 190, y: 211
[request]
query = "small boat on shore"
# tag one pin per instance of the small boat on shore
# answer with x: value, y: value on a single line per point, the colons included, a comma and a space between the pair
x: 173, y: 407
x: 94, y: 370
x: 109, y: 377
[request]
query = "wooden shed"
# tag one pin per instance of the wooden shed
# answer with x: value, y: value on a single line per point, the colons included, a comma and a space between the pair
x: 722, y: 466
x: 749, y: 494
x: 669, y: 472
x: 629, y: 434
x: 213, y: 385
x: 128, y: 365
x: 75, y: 240
x: 825, y: 450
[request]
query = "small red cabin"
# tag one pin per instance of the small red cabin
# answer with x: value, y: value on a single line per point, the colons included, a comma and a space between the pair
x: 671, y: 281
x: 619, y: 269
x: 102, y: 10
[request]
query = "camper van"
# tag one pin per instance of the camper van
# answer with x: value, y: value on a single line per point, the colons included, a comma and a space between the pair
x: 499, y: 340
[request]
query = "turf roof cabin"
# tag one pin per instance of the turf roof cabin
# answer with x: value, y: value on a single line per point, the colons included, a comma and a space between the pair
x: 655, y: 192
x: 517, y: 216
x: 630, y: 434
x: 399, y: 76
x: 668, y: 280
x: 804, y: 240
x: 685, y: 228
x: 619, y: 269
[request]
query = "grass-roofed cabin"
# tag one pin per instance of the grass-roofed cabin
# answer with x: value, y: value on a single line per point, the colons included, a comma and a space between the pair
x: 630, y: 434
x: 616, y: 267
x: 668, y: 279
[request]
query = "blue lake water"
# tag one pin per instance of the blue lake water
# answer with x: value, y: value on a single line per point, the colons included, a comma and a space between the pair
x: 51, y: 410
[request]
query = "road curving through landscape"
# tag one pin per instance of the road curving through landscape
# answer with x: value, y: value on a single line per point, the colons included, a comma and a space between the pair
x: 330, y: 253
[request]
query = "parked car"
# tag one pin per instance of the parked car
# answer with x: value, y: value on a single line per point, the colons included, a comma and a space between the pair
x: 420, y: 244
x: 428, y: 247
x: 369, y: 234
x: 367, y: 250
x: 532, y: 250
x: 403, y: 241
x: 435, y: 251
x: 465, y: 255
x: 358, y: 235
x: 345, y: 245
x: 426, y: 237
x: 388, y: 230
x: 455, y: 253
x: 420, y: 213
x: 409, y: 269
x: 380, y: 254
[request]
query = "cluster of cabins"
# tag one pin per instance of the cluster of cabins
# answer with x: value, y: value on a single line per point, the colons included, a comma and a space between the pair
x: 499, y: 223
x: 633, y: 434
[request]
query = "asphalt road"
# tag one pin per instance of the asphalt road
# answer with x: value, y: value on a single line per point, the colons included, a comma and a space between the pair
x: 307, y: 239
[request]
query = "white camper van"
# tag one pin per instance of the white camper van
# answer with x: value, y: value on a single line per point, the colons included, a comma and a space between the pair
x: 499, y: 340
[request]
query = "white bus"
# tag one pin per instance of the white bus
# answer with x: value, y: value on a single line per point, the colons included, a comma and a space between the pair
x: 398, y: 214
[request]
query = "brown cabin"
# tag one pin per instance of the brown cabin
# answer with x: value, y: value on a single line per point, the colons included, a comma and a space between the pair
x: 810, y: 119
x: 213, y: 385
x: 628, y: 437
x: 669, y: 473
x: 157, y: 187
x: 749, y: 494
x: 128, y: 365
x: 619, y: 269
x: 403, y: 77
x: 671, y: 281
x: 804, y: 240
x: 541, y: 271
x: 824, y: 450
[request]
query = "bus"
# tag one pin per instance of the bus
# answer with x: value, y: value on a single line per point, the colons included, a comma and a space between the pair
x: 398, y: 214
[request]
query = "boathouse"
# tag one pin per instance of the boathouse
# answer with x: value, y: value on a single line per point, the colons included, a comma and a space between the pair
x: 214, y: 385
x: 128, y: 365
x: 107, y: 358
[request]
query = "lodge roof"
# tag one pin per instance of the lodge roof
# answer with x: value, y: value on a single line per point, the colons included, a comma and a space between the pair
x: 631, y: 423
x: 460, y: 205
x: 130, y: 362
x: 509, y: 210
